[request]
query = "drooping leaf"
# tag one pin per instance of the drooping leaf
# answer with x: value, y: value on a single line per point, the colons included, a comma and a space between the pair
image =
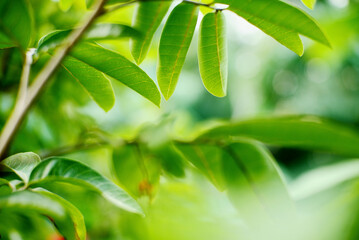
x: 309, y: 3
x: 119, y: 68
x: 111, y: 2
x: 207, y: 159
x: 65, y: 170
x: 28, y: 201
x: 95, y: 33
x: 302, y: 132
x: 149, y: 15
x: 175, y: 41
x: 280, y: 20
x: 22, y: 164
x: 15, y: 23
x: 212, y: 54
x: 76, y: 217
x: 96, y: 84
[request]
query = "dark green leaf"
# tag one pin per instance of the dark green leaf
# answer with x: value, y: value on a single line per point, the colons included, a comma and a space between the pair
x: 119, y: 68
x: 22, y: 164
x: 212, y: 54
x: 149, y: 15
x: 302, y: 132
x: 175, y: 41
x: 15, y: 23
x: 170, y: 158
x: 65, y: 170
x: 24, y: 201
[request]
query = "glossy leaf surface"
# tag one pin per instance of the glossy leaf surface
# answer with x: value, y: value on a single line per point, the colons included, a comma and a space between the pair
x: 175, y: 41
x: 212, y: 54
x: 65, y: 170
x: 148, y: 17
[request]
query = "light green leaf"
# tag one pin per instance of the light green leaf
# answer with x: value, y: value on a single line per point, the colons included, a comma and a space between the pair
x: 24, y: 201
x: 15, y: 23
x: 65, y: 4
x: 207, y: 159
x: 304, y: 132
x: 149, y: 15
x: 212, y: 54
x: 175, y: 41
x: 65, y: 170
x: 280, y: 20
x: 22, y: 164
x: 309, y: 3
x: 95, y: 33
x: 265, y: 177
x: 96, y: 84
x: 119, y: 68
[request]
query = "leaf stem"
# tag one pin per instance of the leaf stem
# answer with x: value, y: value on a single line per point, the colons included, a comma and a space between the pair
x: 24, y: 103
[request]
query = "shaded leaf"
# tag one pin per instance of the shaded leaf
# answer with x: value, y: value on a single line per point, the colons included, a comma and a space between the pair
x: 96, y: 84
x: 302, y: 132
x: 15, y: 23
x: 65, y: 170
x: 171, y: 160
x: 24, y: 201
x: 22, y: 164
x: 148, y: 17
x: 212, y: 54
x: 175, y: 41
x: 119, y: 68
x: 95, y: 33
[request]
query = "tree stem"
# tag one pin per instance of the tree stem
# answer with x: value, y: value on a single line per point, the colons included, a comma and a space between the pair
x: 27, y: 96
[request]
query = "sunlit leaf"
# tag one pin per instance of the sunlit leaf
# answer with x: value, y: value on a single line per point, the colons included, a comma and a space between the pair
x: 175, y: 41
x: 302, y: 132
x: 22, y: 164
x: 212, y: 54
x: 27, y: 201
x: 309, y: 3
x: 119, y: 68
x: 149, y: 15
x: 96, y: 84
x: 284, y: 26
x: 15, y: 23
x: 65, y: 170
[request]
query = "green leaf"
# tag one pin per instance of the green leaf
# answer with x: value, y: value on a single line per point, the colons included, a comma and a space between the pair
x: 65, y: 4
x: 145, y: 170
x: 119, y: 68
x: 280, y: 20
x: 207, y: 159
x: 65, y: 170
x: 22, y: 164
x: 95, y: 33
x: 175, y: 41
x: 15, y: 23
x: 212, y: 54
x: 302, y: 132
x: 76, y: 217
x: 96, y: 84
x: 24, y: 201
x: 111, y: 2
x: 309, y: 3
x: 148, y: 17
